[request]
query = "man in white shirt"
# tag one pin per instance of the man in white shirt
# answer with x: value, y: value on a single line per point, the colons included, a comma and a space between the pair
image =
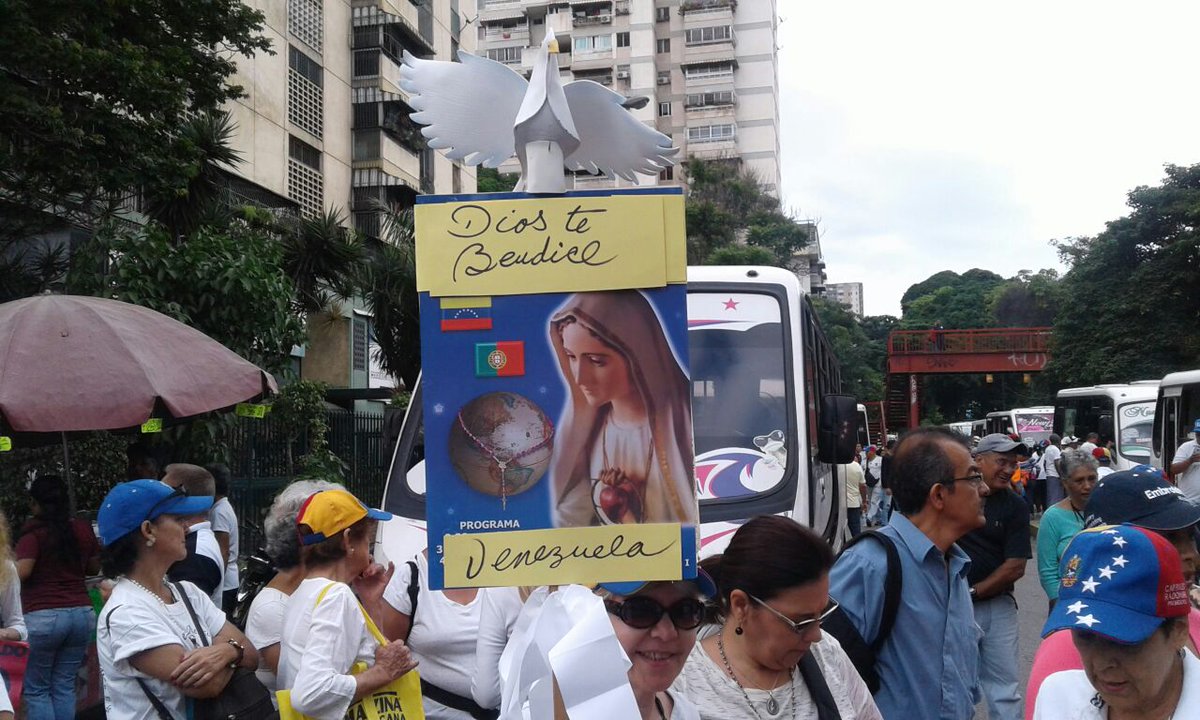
x: 1092, y: 442
x: 1054, y: 488
x: 225, y: 528
x: 204, y: 565
x: 1185, y: 467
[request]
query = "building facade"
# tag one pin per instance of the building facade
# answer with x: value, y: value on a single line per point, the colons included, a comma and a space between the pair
x: 848, y: 294
x: 324, y: 123
x: 707, y: 67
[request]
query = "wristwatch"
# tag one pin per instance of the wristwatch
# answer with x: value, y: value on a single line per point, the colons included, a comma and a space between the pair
x: 241, y: 652
x: 972, y: 592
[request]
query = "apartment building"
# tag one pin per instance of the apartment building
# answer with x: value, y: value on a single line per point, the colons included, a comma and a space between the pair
x: 708, y: 67
x: 848, y: 294
x: 325, y: 124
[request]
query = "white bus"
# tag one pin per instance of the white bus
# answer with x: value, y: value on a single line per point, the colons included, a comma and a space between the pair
x: 765, y: 394
x: 962, y: 427
x: 1177, y: 409
x: 1033, y: 423
x: 1123, y: 413
x: 864, y: 427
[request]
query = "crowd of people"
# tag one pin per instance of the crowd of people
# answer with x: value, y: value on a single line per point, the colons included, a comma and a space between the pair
x: 920, y: 623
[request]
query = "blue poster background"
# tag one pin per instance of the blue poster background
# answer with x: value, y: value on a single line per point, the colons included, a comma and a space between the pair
x: 450, y: 382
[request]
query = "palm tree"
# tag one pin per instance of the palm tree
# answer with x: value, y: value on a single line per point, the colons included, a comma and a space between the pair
x: 322, y: 258
x: 387, y: 282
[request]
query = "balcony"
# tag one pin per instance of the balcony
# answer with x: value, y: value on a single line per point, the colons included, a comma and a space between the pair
x: 378, y: 150
x: 712, y: 149
x: 529, y: 57
x: 493, y: 10
x: 375, y: 68
x: 592, y: 60
x: 507, y: 35
x: 706, y: 8
x: 605, y: 78
x: 592, y: 19
x: 622, y: 7
x: 560, y: 22
x: 712, y: 77
x: 397, y: 31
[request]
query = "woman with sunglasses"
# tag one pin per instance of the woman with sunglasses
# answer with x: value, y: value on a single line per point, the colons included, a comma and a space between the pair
x: 151, y: 635
x: 656, y: 625
x: 772, y: 593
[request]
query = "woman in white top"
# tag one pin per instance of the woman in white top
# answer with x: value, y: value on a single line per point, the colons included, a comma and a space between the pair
x: 772, y: 592
x: 12, y: 619
x: 264, y: 622
x: 623, y: 452
x: 146, y: 638
x: 441, y: 631
x: 324, y: 631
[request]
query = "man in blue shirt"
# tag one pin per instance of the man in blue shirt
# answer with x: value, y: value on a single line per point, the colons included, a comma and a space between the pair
x: 929, y: 666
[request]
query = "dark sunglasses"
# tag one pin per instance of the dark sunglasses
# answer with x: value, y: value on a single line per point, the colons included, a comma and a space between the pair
x: 643, y: 612
x: 178, y: 493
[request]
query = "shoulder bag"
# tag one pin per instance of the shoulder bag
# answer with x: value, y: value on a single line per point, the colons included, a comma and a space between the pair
x: 398, y: 700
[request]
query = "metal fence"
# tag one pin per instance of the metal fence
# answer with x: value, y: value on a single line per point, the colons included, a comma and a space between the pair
x: 260, y: 466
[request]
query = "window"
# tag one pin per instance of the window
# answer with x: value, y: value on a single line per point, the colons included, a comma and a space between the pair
x: 305, y: 21
x: 664, y: 77
x: 667, y: 174
x: 359, y: 341
x: 704, y: 36
x: 505, y: 55
x: 593, y: 43
x: 708, y: 71
x: 308, y: 68
x: 622, y: 39
x: 662, y: 45
x: 711, y: 133
x: 664, y: 109
x: 303, y: 152
x: 662, y: 14
x: 709, y: 99
x: 305, y: 94
x: 305, y: 184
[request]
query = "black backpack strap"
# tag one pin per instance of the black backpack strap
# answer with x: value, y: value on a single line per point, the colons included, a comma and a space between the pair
x: 187, y: 603
x: 414, y: 590
x: 892, y: 586
x: 159, y: 708
x: 457, y: 702
x: 818, y: 689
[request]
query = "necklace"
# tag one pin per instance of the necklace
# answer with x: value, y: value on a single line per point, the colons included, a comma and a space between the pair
x: 503, y: 456
x: 188, y: 633
x: 772, y: 703
x: 658, y: 704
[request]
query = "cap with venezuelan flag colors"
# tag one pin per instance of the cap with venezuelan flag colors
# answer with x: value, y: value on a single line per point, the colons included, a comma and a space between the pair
x: 329, y: 512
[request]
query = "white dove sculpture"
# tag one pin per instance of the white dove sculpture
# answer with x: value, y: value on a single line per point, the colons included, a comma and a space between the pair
x: 483, y: 112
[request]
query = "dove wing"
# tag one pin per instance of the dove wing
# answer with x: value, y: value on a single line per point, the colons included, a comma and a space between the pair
x: 468, y: 107
x: 612, y: 140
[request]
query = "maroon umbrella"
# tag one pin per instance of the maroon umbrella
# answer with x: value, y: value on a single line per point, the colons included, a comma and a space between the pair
x: 71, y: 362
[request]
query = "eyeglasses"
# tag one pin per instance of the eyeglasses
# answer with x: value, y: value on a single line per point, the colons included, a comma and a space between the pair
x: 175, y: 495
x: 976, y: 480
x: 643, y: 613
x: 799, y: 627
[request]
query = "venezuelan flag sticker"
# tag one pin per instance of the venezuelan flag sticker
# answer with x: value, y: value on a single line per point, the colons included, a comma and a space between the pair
x: 500, y: 359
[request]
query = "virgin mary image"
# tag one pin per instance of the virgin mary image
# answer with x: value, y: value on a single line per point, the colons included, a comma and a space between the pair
x: 623, y: 453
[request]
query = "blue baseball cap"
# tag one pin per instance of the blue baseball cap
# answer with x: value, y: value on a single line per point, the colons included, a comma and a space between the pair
x: 1196, y: 426
x: 130, y: 504
x: 1119, y: 581
x: 703, y: 582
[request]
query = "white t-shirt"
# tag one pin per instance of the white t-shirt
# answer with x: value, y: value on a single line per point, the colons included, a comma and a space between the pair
x: 1051, y: 456
x: 1087, y: 448
x: 875, y: 465
x: 719, y: 698
x: 132, y: 622
x: 854, y: 478
x: 225, y: 520
x: 499, y: 609
x: 11, y: 616
x: 1102, y: 471
x: 1067, y: 695
x: 1189, y: 481
x: 319, y: 645
x: 264, y: 628
x: 442, y: 639
x: 206, y: 545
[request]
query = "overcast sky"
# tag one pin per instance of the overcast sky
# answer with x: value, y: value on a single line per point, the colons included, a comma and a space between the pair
x: 934, y: 135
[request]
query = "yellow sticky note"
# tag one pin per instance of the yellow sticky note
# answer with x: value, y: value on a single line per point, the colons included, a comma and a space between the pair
x: 251, y: 410
x: 5, y: 443
x: 153, y: 425
x: 584, y: 555
x: 545, y: 245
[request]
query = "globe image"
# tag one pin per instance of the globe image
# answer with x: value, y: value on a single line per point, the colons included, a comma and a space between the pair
x: 500, y: 444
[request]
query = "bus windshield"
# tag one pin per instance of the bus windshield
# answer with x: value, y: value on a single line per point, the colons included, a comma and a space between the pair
x: 1136, y: 431
x: 740, y: 394
x: 1036, y: 426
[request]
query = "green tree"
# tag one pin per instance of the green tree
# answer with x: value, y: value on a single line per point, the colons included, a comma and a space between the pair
x: 93, y: 98
x: 1027, y: 300
x: 488, y: 180
x: 950, y: 300
x: 1130, y: 305
x: 861, y: 358
x: 388, y: 285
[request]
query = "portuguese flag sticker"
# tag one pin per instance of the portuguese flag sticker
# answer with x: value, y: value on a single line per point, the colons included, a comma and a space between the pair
x: 500, y: 359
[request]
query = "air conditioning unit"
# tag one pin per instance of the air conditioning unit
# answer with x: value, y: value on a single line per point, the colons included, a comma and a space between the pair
x: 622, y: 74
x: 664, y: 81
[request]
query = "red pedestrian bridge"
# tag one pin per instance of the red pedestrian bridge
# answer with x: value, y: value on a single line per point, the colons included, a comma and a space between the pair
x: 913, y: 353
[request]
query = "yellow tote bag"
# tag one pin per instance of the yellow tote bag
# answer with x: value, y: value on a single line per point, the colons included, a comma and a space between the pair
x: 398, y: 700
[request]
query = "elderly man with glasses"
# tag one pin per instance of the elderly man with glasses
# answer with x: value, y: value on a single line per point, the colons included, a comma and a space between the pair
x: 999, y: 552
x: 928, y: 666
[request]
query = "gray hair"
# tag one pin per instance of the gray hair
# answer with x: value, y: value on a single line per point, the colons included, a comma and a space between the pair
x: 279, y: 527
x: 1072, y: 460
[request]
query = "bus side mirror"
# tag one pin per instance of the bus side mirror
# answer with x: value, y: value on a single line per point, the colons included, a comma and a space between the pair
x: 837, y: 429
